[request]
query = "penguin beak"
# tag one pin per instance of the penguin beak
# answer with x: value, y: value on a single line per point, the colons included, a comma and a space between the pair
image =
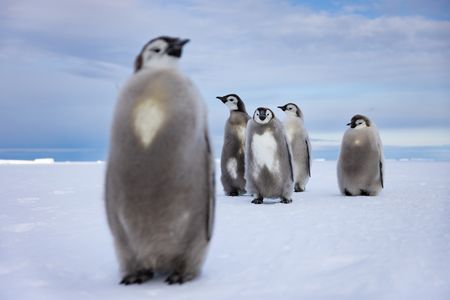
x: 283, y: 108
x: 183, y: 42
x: 348, y: 124
x: 175, y: 48
x: 223, y: 99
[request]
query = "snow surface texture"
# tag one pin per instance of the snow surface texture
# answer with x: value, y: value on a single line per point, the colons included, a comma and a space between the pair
x: 55, y: 244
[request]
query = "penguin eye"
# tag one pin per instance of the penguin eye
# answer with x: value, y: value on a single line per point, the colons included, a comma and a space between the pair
x: 156, y: 50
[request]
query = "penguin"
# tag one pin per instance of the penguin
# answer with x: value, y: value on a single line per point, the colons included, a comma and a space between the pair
x: 360, y: 167
x: 298, y: 141
x: 232, y: 160
x: 159, y: 189
x: 268, y: 166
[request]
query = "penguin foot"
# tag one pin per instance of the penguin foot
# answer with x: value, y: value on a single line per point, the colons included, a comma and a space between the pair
x: 285, y: 200
x: 347, y: 193
x: 176, y: 278
x: 257, y: 201
x: 365, y: 193
x: 233, y: 194
x: 298, y: 188
x: 138, y: 277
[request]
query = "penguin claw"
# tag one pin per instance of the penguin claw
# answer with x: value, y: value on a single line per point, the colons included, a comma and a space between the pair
x: 233, y: 194
x: 365, y: 193
x: 137, y: 278
x: 257, y: 201
x: 175, y: 278
x: 286, y: 201
x: 298, y: 189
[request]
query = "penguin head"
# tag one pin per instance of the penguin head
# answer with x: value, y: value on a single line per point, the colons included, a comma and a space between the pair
x: 359, y: 121
x: 263, y: 115
x: 162, y: 52
x: 233, y: 102
x: 292, y: 110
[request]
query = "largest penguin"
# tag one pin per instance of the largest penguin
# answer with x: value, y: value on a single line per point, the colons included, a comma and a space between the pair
x: 232, y: 160
x: 160, y: 174
x: 268, y: 165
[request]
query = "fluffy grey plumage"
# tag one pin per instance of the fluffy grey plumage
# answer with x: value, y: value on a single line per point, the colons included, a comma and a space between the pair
x: 233, y: 151
x: 160, y: 183
x: 360, y: 167
x: 298, y: 141
x: 268, y: 160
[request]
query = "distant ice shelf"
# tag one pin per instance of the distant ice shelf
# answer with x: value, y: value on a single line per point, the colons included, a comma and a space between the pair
x: 39, y: 161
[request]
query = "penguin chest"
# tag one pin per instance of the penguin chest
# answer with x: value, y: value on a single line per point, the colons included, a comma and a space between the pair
x: 240, y: 134
x: 264, y: 148
x: 148, y: 118
x: 291, y: 129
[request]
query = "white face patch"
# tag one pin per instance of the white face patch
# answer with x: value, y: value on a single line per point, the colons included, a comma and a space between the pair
x: 291, y: 111
x: 360, y: 124
x: 148, y: 118
x: 154, y: 56
x: 231, y: 105
x: 264, y: 149
x: 232, y: 167
x: 269, y: 117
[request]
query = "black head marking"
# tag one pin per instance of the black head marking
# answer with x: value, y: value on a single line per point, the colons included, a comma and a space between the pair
x: 263, y: 112
x: 298, y: 110
x: 240, y: 104
x: 174, y: 48
x: 355, y: 118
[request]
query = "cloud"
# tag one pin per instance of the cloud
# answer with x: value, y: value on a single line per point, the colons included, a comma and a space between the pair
x: 335, y: 60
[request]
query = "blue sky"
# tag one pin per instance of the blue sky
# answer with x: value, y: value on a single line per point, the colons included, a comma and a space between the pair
x: 63, y: 62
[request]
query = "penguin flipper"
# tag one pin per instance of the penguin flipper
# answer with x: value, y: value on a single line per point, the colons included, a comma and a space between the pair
x: 308, y: 153
x: 211, y: 188
x: 290, y: 160
x: 381, y: 174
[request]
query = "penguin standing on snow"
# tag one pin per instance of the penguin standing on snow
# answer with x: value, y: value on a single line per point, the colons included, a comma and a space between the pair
x: 298, y: 141
x: 360, y: 166
x: 159, y: 190
x: 232, y: 161
x: 268, y: 160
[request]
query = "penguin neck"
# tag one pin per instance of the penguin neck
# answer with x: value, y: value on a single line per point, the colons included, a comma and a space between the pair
x: 293, y: 118
x: 237, y: 111
x: 166, y: 62
x: 238, y: 117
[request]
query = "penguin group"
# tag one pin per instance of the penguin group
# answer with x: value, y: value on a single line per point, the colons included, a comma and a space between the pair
x: 277, y: 160
x: 160, y: 175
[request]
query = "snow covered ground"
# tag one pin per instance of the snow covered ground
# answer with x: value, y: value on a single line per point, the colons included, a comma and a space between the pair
x: 55, y: 244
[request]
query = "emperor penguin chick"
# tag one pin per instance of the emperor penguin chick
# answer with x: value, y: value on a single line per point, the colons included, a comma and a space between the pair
x: 268, y: 160
x: 298, y: 141
x: 159, y: 189
x: 232, y: 161
x: 360, y: 166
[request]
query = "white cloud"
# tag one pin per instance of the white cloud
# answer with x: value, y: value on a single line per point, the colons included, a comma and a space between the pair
x: 334, y: 63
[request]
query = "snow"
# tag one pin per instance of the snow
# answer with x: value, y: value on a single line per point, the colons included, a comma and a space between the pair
x: 55, y: 244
